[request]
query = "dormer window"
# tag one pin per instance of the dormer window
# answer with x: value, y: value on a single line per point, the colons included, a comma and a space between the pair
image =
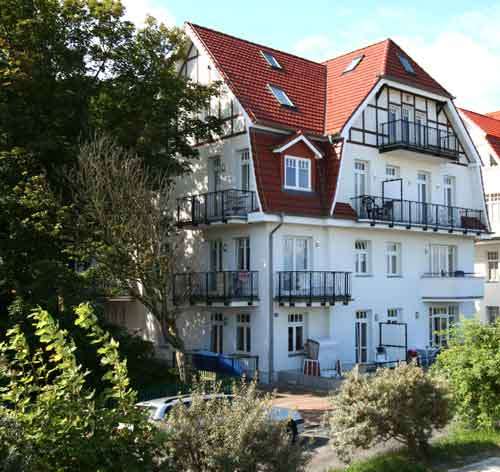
x: 297, y: 173
x: 281, y: 96
x: 353, y: 64
x: 271, y: 60
x: 405, y: 62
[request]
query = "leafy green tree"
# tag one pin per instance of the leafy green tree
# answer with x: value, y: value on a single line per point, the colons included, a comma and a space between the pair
x: 404, y: 404
x: 69, y: 68
x: 471, y: 365
x: 50, y: 420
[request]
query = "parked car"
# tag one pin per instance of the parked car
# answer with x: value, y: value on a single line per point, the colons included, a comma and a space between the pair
x: 159, y: 408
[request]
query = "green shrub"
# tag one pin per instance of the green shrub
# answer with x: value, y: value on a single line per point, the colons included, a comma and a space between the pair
x: 404, y: 404
x: 49, y: 418
x: 471, y: 365
x: 223, y: 435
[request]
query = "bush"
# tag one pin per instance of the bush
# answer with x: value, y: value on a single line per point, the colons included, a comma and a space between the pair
x: 223, y: 435
x: 404, y: 404
x: 471, y: 365
x: 50, y: 419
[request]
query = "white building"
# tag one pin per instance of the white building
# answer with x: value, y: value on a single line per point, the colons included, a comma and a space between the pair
x: 485, y: 132
x: 343, y: 195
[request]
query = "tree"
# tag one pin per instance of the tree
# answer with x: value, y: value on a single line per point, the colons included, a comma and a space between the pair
x: 50, y: 420
x: 129, y: 207
x: 70, y: 68
x: 225, y: 434
x: 404, y: 404
x: 471, y: 365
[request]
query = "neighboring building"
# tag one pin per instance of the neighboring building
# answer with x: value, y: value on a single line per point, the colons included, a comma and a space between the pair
x: 485, y: 132
x: 342, y: 195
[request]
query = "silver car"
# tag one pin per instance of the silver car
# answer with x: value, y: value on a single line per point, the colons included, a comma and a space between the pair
x: 159, y: 408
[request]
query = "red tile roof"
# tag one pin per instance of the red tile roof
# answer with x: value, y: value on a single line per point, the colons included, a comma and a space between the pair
x: 489, y: 125
x: 346, y: 91
x: 248, y: 75
x: 494, y: 114
x: 269, y: 169
x: 325, y: 97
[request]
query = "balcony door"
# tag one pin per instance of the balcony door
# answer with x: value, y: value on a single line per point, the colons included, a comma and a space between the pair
x: 443, y: 260
x: 362, y: 336
x: 360, y: 183
x: 216, y: 263
x: 245, y: 170
x: 441, y: 319
x: 449, y: 198
x: 217, y: 333
x: 423, y: 197
x: 407, y: 129
x: 297, y: 260
x: 214, y: 199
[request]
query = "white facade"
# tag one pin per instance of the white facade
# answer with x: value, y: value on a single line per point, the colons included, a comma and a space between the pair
x: 415, y: 274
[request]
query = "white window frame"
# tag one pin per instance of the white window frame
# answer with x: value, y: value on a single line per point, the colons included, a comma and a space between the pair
x: 451, y: 259
x: 449, y: 316
x: 492, y: 314
x: 296, y: 323
x: 243, y: 333
x: 394, y: 315
x: 358, y: 253
x: 245, y: 180
x: 217, y: 332
x: 492, y: 263
x: 393, y: 259
x: 297, y: 161
x: 242, y: 247
x: 389, y: 168
x: 493, y: 205
x: 361, y: 173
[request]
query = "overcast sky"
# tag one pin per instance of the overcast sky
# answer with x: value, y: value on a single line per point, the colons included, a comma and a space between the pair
x: 457, y: 41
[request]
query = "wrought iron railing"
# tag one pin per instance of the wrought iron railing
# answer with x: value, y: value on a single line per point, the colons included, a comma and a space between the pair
x: 214, y: 207
x: 410, y: 134
x: 214, y: 287
x: 312, y: 286
x: 411, y: 213
x: 456, y: 274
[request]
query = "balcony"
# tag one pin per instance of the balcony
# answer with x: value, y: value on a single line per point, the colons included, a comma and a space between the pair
x: 426, y: 215
x: 225, y: 288
x: 451, y: 286
x: 312, y: 288
x: 216, y: 207
x: 413, y: 136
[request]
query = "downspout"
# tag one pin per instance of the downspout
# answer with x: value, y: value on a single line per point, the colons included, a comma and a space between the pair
x: 271, y: 297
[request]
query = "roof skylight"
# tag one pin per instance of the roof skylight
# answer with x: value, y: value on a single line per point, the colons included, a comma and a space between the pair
x: 405, y: 62
x: 353, y: 64
x: 271, y: 60
x: 281, y: 96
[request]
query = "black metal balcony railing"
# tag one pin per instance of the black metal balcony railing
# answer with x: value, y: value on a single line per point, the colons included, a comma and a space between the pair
x: 216, y: 287
x: 456, y: 274
x: 217, y: 206
x: 399, y: 134
x: 312, y: 286
x: 411, y: 213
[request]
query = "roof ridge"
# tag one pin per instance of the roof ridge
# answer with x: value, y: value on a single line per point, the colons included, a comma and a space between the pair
x: 260, y: 45
x: 355, y: 50
x: 484, y: 115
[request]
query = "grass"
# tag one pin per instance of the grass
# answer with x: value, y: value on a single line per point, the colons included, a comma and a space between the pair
x: 457, y: 448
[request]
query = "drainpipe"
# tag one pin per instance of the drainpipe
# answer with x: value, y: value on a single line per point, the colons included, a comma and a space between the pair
x: 271, y: 297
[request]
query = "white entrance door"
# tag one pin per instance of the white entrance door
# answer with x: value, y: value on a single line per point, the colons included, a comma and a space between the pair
x: 362, y: 332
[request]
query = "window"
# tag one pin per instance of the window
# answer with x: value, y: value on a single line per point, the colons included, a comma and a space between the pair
x: 271, y: 60
x: 393, y: 259
x: 392, y: 172
x: 492, y: 314
x: 360, y: 178
x: 441, y: 319
x: 405, y: 62
x: 297, y: 173
x: 449, y: 190
x: 243, y: 334
x: 245, y: 170
x: 295, y: 333
x: 493, y: 272
x: 217, y: 332
x: 443, y: 260
x: 394, y: 315
x: 243, y: 254
x: 281, y: 96
x: 353, y: 64
x: 362, y: 257
x: 493, y: 204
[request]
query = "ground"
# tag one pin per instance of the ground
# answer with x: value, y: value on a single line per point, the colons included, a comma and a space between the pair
x: 488, y: 465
